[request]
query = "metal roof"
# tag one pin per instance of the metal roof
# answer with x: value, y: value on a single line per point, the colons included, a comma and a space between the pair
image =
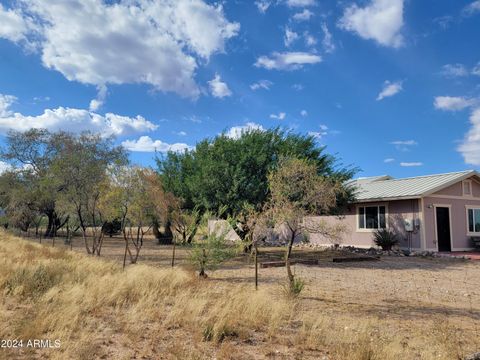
x: 379, y: 188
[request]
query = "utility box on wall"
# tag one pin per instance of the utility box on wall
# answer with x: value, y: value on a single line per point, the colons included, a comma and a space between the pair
x: 408, y: 223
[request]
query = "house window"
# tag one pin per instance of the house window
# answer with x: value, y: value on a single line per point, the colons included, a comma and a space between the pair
x: 467, y: 188
x: 371, y: 217
x: 474, y: 220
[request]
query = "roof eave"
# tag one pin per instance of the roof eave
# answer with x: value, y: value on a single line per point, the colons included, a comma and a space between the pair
x: 451, y: 182
x: 382, y: 199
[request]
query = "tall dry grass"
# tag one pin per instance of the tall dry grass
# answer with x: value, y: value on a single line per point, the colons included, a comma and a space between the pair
x: 99, y: 311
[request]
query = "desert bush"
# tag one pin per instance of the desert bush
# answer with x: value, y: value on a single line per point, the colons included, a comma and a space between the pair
x: 209, y: 253
x: 293, y: 288
x: 385, y: 238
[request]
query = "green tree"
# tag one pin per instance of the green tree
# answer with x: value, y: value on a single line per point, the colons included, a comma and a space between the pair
x: 31, y: 153
x: 231, y: 172
x: 80, y: 171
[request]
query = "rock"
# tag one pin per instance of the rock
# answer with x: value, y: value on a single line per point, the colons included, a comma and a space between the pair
x: 475, y: 356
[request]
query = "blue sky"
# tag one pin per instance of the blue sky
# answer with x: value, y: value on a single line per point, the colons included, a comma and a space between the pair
x: 391, y: 86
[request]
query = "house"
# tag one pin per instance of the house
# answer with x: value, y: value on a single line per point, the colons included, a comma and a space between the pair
x: 433, y: 212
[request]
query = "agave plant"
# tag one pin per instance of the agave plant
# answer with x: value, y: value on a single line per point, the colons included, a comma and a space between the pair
x: 385, y: 238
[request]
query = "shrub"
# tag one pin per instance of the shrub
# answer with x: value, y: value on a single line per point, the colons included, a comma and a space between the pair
x: 209, y: 253
x: 385, y: 238
x: 294, y: 288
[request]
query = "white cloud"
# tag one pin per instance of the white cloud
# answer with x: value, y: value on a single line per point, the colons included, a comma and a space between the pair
x: 5, y: 102
x: 143, y: 41
x: 236, y: 131
x: 404, y: 145
x: 476, y: 69
x: 470, y: 146
x: 297, y: 87
x: 472, y: 8
x: 4, y: 167
x: 146, y: 144
x: 279, y: 116
x: 290, y: 37
x: 404, y: 142
x: 181, y: 133
x: 410, y: 164
x: 263, y: 5
x: 304, y: 113
x: 380, y: 20
x: 319, y: 134
x: 74, y: 120
x: 388, y: 160
x: 389, y: 89
x: 327, y: 42
x: 261, y: 84
x: 305, y: 15
x: 310, y: 40
x: 452, y: 103
x: 13, y: 26
x: 454, y: 70
x: 97, y: 103
x: 300, y: 3
x: 287, y: 60
x: 218, y: 88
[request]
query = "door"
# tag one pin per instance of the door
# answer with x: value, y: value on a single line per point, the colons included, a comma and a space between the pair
x: 443, y: 228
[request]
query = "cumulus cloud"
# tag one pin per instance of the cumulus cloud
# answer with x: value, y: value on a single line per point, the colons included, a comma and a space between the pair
x: 290, y: 37
x: 261, y: 84
x: 452, y: 103
x: 319, y: 134
x: 287, y: 60
x: 388, y: 160
x: 143, y: 41
x: 389, y: 89
x: 304, y: 15
x: 380, y: 20
x: 279, y: 116
x: 218, y: 88
x: 304, y: 113
x: 454, y: 70
x: 236, y: 131
x: 410, y: 164
x: 146, y: 144
x: 14, y: 26
x: 72, y: 120
x: 470, y: 146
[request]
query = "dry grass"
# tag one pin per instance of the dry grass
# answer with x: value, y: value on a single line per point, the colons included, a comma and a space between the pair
x: 99, y: 311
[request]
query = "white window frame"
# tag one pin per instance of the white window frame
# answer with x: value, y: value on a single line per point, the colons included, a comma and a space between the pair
x: 469, y: 182
x: 471, y: 207
x: 357, y: 217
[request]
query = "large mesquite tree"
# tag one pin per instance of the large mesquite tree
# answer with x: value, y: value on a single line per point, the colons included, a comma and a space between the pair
x: 232, y: 173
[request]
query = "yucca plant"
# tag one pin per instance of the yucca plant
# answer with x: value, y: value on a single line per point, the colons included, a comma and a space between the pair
x: 385, y: 238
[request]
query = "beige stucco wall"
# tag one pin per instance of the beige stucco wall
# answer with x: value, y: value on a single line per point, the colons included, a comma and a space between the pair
x: 396, y: 211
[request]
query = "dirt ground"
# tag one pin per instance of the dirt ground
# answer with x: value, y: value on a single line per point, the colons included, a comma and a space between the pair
x: 411, y: 302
